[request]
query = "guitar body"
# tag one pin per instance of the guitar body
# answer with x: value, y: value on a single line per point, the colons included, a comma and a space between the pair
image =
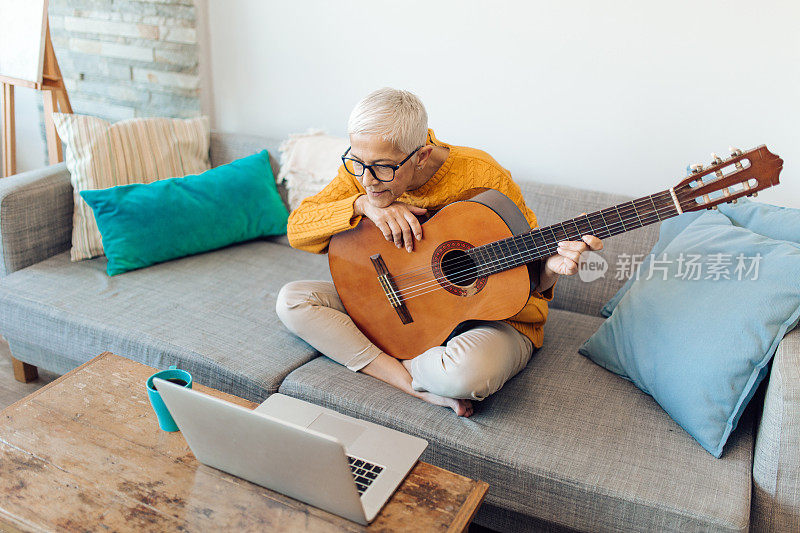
x: 436, y: 287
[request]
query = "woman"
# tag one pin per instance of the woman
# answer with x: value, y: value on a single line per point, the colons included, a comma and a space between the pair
x: 394, y: 171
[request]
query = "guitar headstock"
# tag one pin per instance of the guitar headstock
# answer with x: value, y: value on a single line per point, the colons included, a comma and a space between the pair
x: 726, y: 180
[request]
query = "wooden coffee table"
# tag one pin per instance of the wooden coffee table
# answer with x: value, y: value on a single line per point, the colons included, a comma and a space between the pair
x: 84, y: 453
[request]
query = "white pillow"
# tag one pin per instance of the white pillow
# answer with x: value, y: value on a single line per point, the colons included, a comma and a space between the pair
x: 309, y: 161
x: 100, y: 155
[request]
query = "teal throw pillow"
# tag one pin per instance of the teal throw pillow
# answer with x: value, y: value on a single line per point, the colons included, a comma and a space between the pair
x: 780, y: 223
x: 144, y: 224
x: 699, y: 339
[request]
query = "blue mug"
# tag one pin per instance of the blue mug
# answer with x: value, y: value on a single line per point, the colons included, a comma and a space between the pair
x: 179, y: 377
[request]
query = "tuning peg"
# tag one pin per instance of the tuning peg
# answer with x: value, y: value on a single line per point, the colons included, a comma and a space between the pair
x: 734, y: 151
x: 733, y: 201
x: 754, y: 194
x: 697, y: 167
x: 716, y: 158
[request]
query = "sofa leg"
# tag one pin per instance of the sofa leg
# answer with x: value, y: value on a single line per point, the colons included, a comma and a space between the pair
x: 23, y: 371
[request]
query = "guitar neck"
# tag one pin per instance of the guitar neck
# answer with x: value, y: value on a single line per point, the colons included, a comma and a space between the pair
x: 543, y: 242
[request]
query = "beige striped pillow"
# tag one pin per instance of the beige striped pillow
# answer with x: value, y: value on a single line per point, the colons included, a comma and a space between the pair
x: 140, y: 150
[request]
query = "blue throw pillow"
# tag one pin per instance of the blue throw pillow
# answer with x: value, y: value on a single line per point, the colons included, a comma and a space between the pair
x: 144, y: 224
x: 669, y: 229
x: 700, y: 347
x: 780, y: 223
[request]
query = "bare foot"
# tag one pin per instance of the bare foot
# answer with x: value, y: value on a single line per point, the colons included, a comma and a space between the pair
x: 460, y: 407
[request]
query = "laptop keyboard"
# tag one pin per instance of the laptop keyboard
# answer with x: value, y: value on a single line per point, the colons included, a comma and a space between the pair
x: 363, y: 472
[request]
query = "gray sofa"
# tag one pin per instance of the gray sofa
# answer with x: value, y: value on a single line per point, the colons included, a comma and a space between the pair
x: 565, y: 445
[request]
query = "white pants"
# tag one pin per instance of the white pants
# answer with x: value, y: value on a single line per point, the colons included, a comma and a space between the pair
x: 472, y: 364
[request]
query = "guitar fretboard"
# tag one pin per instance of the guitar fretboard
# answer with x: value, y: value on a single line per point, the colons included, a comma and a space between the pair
x: 543, y: 242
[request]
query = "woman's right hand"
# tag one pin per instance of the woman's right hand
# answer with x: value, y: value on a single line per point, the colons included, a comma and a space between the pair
x: 398, y: 221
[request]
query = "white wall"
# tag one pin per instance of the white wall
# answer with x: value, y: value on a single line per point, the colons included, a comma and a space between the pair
x: 31, y: 151
x: 617, y: 95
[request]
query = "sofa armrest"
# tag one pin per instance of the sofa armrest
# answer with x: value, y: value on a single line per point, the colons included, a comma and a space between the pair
x: 776, y: 465
x: 35, y: 216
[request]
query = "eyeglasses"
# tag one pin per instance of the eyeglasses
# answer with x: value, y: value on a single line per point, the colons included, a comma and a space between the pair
x: 381, y: 172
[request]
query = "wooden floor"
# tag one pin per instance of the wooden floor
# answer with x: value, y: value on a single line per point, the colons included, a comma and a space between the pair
x: 12, y: 390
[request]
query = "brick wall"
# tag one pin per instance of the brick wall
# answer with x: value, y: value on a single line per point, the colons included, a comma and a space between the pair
x: 128, y: 58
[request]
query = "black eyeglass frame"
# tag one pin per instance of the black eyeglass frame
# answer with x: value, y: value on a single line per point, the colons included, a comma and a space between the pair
x: 394, y: 168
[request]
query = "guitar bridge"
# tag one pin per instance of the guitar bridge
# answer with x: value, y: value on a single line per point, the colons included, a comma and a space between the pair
x: 390, y: 289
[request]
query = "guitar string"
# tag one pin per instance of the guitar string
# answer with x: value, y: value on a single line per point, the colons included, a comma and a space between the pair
x: 664, y: 198
x: 465, y: 274
x: 506, y: 260
x: 470, y: 273
x: 419, y: 289
x: 431, y: 284
x: 649, y: 216
x: 665, y: 202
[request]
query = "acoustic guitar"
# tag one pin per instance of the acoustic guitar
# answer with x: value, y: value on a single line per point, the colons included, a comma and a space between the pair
x: 474, y: 258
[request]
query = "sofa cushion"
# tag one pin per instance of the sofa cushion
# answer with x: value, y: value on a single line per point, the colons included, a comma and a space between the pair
x: 308, y: 163
x: 556, y: 203
x: 699, y: 338
x: 143, y: 224
x: 668, y: 230
x: 776, y: 222
x: 564, y: 441
x: 211, y: 314
x: 139, y: 150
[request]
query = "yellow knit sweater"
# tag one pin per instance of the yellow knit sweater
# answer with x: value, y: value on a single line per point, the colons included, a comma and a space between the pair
x: 330, y: 211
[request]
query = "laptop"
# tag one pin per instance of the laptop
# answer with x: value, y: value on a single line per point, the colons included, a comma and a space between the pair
x: 341, y: 464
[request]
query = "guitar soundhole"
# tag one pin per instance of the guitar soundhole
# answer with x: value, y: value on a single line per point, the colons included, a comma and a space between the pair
x: 455, y: 270
x: 459, y: 268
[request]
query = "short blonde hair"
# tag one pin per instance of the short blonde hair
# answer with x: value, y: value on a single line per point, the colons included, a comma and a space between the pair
x: 397, y: 116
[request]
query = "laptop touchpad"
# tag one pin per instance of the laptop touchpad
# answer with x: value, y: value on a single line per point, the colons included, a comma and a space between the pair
x: 346, y: 432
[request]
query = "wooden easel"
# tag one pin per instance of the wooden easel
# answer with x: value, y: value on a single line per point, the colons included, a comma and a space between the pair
x: 27, y: 59
x: 55, y: 99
